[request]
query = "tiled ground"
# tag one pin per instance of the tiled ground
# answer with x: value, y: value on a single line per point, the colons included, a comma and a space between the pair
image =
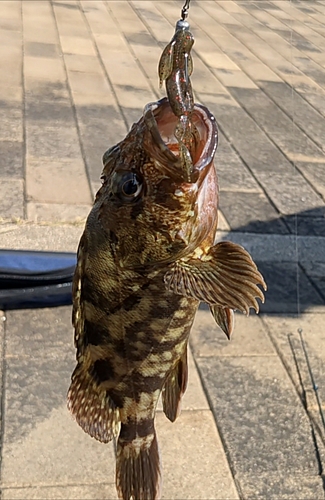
x: 76, y: 75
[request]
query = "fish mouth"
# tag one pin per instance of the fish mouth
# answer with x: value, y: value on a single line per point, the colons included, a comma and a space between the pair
x: 162, y: 145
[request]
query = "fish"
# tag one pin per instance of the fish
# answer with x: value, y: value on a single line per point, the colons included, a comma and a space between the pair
x: 147, y: 258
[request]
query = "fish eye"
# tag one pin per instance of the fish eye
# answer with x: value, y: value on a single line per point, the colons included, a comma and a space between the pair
x: 127, y: 186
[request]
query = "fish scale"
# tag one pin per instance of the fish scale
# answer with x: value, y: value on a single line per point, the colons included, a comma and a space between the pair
x: 146, y: 260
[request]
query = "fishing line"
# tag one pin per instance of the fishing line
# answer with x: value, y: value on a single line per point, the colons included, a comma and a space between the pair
x: 312, y: 378
x: 296, y: 176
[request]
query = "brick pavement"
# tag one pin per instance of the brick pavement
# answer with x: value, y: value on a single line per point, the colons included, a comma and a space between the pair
x: 76, y: 75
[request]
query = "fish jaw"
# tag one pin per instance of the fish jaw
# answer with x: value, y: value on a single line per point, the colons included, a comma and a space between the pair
x: 162, y: 145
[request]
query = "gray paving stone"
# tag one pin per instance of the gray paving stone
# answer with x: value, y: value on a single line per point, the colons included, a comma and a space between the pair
x: 279, y: 248
x: 304, y: 225
x: 84, y: 491
x: 191, y: 450
x: 250, y: 212
x: 43, y: 112
x: 52, y: 142
x: 34, y: 387
x: 316, y: 273
x: 11, y: 159
x: 273, y: 487
x: 11, y: 198
x: 249, y: 337
x: 315, y: 174
x: 63, y: 213
x: 41, y: 49
x: 233, y: 174
x: 283, y: 331
x: 276, y: 124
x: 287, y: 284
x: 264, y: 428
x: 11, y: 115
x: 47, y: 91
x: 100, y: 128
x: 39, y: 332
x: 29, y: 236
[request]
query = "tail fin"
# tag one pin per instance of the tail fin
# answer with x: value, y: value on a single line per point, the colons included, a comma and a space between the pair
x: 138, y: 468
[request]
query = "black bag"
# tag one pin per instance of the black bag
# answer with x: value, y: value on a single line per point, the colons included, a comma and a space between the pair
x: 35, y: 279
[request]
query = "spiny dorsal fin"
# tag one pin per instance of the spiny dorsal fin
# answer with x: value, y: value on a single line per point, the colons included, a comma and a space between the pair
x: 224, y: 318
x: 226, y: 276
x: 174, y: 388
x: 94, y: 411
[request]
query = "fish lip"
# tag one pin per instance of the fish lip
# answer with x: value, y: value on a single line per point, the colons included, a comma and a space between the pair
x: 160, y: 122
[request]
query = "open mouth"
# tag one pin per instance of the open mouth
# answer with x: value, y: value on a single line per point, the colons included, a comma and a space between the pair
x: 202, y: 144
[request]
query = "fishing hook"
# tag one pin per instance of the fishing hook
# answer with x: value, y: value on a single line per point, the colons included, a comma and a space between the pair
x: 185, y: 8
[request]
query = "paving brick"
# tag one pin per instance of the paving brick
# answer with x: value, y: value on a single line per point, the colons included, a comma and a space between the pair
x: 268, y: 164
x: 11, y: 126
x: 56, y: 212
x: 30, y: 236
x: 279, y: 248
x: 41, y: 436
x: 88, y: 83
x: 233, y: 174
x: 315, y: 174
x: 273, y: 487
x: 42, y: 70
x: 279, y: 127
x: 250, y: 212
x: 298, y: 109
x: 316, y: 273
x: 49, y: 181
x: 11, y: 198
x: 303, y: 225
x: 191, y: 450
x: 264, y: 427
x: 11, y: 159
x: 249, y: 337
x: 84, y: 491
x: 41, y: 49
x: 69, y: 19
x: 82, y: 63
x: 283, y: 330
x: 39, y: 25
x: 275, y: 61
x: 289, y: 289
x: 29, y: 332
x: 52, y: 142
x: 43, y: 112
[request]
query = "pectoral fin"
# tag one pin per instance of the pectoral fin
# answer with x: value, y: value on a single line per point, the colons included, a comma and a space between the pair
x: 226, y: 276
x: 174, y: 388
x: 224, y: 318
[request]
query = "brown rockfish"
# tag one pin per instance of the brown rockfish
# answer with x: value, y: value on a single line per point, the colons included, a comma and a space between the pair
x: 146, y: 260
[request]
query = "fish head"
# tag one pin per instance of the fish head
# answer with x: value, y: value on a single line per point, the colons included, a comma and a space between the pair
x: 155, y: 209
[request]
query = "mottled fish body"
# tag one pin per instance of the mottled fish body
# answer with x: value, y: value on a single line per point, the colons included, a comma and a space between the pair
x: 146, y: 260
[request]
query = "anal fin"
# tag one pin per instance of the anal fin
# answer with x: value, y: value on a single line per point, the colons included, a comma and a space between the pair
x: 174, y: 388
x: 224, y: 317
x: 93, y: 410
